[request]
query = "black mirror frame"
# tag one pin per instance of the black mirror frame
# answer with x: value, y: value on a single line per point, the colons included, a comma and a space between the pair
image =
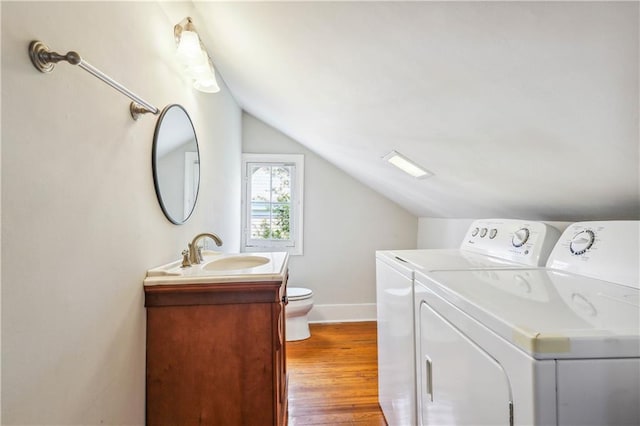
x: 156, y: 184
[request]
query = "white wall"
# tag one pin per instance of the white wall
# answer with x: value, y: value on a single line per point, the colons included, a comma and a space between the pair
x: 435, y: 233
x: 81, y: 222
x: 345, y: 222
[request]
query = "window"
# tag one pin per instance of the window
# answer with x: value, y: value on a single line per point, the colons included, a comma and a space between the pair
x: 272, y: 202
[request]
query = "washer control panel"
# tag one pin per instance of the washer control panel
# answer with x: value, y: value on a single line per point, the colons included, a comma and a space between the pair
x: 520, y: 237
x: 525, y: 242
x: 607, y: 250
x: 582, y: 241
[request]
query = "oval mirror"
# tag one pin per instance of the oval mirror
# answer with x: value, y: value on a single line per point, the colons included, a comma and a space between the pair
x: 176, y: 164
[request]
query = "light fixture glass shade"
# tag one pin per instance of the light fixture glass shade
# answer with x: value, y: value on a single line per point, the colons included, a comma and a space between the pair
x: 209, y: 85
x: 194, y: 57
x: 199, y: 66
x: 204, y: 75
x: 406, y: 165
x: 189, y: 50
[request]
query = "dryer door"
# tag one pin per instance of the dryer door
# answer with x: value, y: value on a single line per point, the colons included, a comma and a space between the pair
x: 459, y: 383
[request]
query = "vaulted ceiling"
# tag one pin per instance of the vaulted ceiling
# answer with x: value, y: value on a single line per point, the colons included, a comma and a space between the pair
x: 520, y: 109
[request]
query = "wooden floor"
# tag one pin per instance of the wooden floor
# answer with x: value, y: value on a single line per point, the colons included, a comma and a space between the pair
x: 333, y: 378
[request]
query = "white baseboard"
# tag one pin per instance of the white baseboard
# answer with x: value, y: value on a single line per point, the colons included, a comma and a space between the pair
x: 343, y: 313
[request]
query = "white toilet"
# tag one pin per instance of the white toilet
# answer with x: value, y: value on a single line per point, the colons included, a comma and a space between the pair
x: 300, y: 303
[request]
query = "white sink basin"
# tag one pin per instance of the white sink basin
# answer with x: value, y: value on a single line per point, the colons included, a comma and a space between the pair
x: 234, y: 263
x: 222, y: 268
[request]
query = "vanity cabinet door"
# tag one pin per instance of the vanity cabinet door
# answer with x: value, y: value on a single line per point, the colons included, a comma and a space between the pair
x: 216, y: 356
x: 207, y: 365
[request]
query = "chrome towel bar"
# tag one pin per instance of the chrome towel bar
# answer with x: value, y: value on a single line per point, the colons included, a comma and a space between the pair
x: 45, y: 60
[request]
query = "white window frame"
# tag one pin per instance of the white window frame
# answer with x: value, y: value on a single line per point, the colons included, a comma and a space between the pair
x: 294, y: 246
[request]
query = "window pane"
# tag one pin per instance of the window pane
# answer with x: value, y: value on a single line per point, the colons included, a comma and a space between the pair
x: 260, y: 228
x: 270, y: 222
x: 260, y: 183
x: 281, y: 184
x: 270, y: 201
x: 280, y: 221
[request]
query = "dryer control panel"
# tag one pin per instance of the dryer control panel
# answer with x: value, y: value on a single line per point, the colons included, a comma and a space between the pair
x: 525, y: 242
x: 607, y: 250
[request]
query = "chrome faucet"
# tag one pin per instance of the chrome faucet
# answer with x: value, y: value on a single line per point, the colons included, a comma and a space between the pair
x: 195, y: 253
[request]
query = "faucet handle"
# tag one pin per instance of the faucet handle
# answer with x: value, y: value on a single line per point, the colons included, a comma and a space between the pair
x: 185, y: 259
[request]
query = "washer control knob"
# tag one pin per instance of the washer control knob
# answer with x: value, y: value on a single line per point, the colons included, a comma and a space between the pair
x: 483, y: 232
x: 582, y: 242
x: 520, y: 237
x: 475, y: 232
x: 493, y: 233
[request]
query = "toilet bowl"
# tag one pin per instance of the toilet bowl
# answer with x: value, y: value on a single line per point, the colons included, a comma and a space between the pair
x: 300, y: 303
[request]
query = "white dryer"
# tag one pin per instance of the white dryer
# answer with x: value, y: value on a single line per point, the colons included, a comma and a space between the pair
x: 552, y: 346
x: 488, y: 244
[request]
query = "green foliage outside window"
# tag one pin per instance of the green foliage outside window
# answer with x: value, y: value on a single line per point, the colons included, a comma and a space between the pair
x: 279, y: 229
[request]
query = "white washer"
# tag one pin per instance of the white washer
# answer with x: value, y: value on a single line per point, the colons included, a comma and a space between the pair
x: 489, y: 243
x: 553, y: 346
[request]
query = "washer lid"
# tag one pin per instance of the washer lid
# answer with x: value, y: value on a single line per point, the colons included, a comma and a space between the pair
x: 297, y: 293
x: 548, y: 314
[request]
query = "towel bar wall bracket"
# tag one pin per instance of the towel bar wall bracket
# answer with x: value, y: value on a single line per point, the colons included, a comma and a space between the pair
x: 45, y: 61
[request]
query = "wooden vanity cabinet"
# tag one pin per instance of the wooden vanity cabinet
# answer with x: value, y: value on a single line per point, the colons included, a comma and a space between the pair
x: 216, y: 354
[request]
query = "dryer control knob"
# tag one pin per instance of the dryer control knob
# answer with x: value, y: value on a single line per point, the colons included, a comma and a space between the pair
x: 582, y: 242
x: 520, y: 237
x: 483, y: 232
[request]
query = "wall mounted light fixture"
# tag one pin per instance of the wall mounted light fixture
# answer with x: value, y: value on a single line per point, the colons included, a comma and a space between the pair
x: 406, y: 165
x: 194, y: 57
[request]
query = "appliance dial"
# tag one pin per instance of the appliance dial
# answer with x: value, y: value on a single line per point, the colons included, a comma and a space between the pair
x: 483, y: 232
x: 520, y: 237
x: 582, y: 242
x: 475, y: 232
x: 493, y: 233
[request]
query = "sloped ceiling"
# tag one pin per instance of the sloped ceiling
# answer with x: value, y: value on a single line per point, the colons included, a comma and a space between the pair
x: 520, y: 109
